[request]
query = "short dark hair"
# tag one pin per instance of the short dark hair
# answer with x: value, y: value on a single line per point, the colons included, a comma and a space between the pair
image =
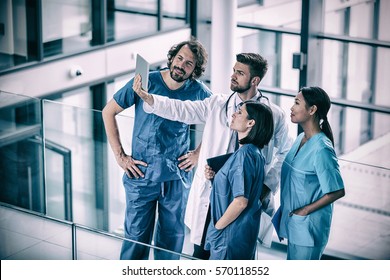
x: 199, y: 52
x: 258, y: 66
x: 261, y: 133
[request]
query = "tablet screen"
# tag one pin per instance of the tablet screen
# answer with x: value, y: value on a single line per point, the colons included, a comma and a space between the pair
x: 142, y: 68
x: 217, y: 162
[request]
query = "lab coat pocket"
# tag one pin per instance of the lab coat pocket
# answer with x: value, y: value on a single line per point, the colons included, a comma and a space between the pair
x: 299, y: 231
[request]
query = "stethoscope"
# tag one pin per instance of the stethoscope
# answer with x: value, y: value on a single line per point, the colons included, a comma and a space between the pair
x: 227, y: 103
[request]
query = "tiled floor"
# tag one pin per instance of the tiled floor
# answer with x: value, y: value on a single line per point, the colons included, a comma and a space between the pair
x: 24, y: 237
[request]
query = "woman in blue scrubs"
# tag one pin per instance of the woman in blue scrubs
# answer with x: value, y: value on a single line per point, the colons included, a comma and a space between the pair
x: 235, y: 197
x: 310, y: 179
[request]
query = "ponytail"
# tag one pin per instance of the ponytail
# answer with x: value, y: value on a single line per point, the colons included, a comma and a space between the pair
x: 317, y: 96
x: 326, y: 129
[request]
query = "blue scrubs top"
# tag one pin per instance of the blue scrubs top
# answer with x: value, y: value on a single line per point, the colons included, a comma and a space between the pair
x: 306, y: 177
x: 241, y: 175
x: 157, y: 141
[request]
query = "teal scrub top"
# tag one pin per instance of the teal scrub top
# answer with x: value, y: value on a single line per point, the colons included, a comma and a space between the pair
x: 307, y: 176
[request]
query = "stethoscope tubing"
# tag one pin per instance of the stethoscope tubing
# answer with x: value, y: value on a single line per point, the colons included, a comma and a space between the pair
x: 231, y: 95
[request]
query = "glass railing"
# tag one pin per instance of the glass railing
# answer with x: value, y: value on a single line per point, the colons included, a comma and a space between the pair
x: 74, y: 186
x: 21, y: 152
x: 76, y: 181
x: 27, y: 235
x: 81, y: 187
x: 361, y: 220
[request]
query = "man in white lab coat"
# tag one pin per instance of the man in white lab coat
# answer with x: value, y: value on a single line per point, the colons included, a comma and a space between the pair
x: 215, y: 112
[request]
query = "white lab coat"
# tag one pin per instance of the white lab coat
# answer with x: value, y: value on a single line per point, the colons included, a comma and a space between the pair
x: 215, y: 141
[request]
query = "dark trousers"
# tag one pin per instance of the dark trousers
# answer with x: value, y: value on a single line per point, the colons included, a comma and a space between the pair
x: 199, y: 251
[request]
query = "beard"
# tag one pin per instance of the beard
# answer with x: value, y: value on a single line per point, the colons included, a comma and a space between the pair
x: 240, y: 89
x: 177, y: 77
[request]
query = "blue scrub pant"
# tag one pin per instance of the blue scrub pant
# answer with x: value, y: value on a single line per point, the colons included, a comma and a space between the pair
x: 296, y: 252
x: 142, y: 198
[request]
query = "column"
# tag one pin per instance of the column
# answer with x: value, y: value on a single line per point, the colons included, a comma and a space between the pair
x: 223, y: 51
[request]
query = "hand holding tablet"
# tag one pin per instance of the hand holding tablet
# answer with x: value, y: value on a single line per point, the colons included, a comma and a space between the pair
x: 142, y: 68
x: 217, y: 162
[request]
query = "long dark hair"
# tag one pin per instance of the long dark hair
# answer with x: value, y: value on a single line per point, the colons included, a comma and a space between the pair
x: 199, y: 52
x: 261, y: 133
x: 317, y: 96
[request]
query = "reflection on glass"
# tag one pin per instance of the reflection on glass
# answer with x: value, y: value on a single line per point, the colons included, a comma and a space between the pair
x: 13, y: 34
x: 382, y: 82
x: 356, y: 72
x: 281, y: 14
x: 66, y: 26
x: 122, y: 16
x: 384, y: 21
x: 21, y: 152
x: 71, y: 129
x: 349, y: 18
x: 145, y: 6
x: 120, y: 25
x: 174, y: 14
x: 54, y: 185
x: 332, y: 68
x: 96, y: 246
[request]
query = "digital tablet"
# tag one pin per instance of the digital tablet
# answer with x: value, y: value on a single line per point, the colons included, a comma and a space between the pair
x: 217, y: 162
x: 142, y: 68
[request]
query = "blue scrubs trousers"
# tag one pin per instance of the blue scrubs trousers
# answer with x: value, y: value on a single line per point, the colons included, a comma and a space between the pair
x: 142, y: 198
x: 297, y: 252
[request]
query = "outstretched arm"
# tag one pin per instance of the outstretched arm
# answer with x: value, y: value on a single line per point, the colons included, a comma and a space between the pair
x: 189, y: 112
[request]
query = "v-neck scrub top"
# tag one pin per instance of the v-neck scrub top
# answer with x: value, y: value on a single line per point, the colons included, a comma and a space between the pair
x: 241, y: 175
x: 157, y: 141
x: 307, y: 176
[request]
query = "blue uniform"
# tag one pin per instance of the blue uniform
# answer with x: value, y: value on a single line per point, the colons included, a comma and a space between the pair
x: 306, y: 177
x: 158, y: 142
x: 241, y: 175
